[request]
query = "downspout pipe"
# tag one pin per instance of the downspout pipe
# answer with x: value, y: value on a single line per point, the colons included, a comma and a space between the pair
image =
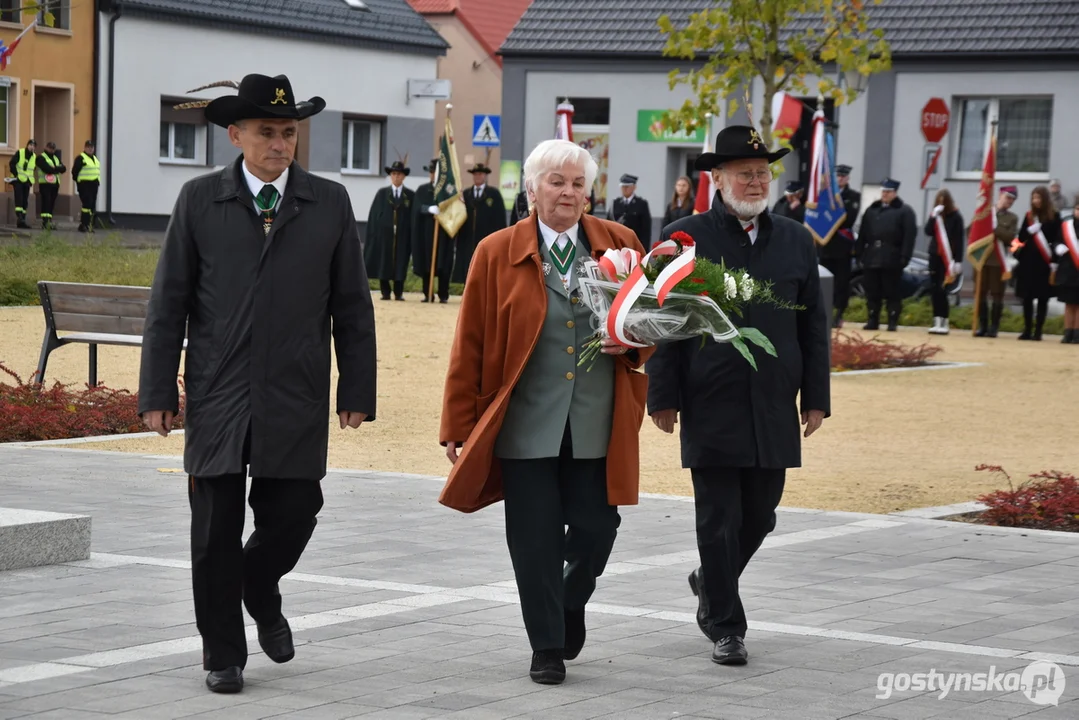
x: 115, y: 7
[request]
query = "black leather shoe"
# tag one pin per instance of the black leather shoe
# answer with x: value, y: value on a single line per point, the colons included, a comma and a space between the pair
x: 730, y: 650
x: 276, y: 640
x: 575, y: 632
x: 548, y: 667
x: 697, y: 586
x: 229, y: 680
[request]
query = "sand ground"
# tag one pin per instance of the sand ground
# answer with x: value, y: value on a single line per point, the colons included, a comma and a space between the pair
x: 895, y: 441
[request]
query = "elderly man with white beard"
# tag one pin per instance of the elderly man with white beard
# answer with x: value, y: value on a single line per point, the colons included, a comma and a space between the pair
x: 739, y: 426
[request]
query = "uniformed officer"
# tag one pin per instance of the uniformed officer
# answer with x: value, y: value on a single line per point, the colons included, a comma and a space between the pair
x: 87, y: 174
x: 632, y: 211
x: 22, y: 167
x: 49, y: 170
x: 791, y: 205
x: 836, y: 255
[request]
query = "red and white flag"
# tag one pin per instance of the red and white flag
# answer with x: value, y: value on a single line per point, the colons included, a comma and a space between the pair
x: 563, y: 129
x: 705, y: 191
x: 817, y: 161
x: 786, y: 114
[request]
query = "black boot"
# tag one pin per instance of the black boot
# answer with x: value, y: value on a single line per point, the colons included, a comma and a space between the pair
x: 994, y: 319
x: 837, y: 320
x: 983, y: 320
x: 893, y: 320
x: 1043, y: 311
x: 1069, y: 337
x: 874, y: 317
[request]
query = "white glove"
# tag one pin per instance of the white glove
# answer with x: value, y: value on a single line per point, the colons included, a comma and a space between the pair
x: 957, y: 268
x: 433, y: 210
x: 938, y: 210
x: 1033, y: 229
x: 1053, y: 267
x: 1061, y: 249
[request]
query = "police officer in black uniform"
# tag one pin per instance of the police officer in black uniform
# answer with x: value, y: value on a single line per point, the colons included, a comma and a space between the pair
x: 836, y: 255
x: 791, y: 205
x: 632, y: 211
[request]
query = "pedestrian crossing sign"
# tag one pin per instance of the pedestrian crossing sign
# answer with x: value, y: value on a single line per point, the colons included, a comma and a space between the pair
x: 486, y: 130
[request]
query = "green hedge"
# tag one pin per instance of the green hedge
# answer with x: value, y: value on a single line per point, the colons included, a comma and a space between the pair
x: 920, y: 314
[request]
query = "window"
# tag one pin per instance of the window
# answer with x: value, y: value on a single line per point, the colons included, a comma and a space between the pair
x: 361, y: 146
x: 61, y: 13
x: 1024, y: 129
x: 589, y: 111
x: 4, y: 114
x: 183, y: 134
x: 9, y: 11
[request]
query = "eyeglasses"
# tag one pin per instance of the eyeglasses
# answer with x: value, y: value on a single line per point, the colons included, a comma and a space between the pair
x: 762, y: 176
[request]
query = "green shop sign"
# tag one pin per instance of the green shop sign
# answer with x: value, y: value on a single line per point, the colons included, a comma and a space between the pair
x: 650, y: 129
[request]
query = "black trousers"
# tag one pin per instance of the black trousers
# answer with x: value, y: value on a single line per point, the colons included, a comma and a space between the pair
x: 22, y: 198
x: 736, y: 509
x: 49, y: 193
x: 939, y: 296
x: 1028, y: 313
x: 225, y: 573
x: 840, y: 269
x: 398, y: 288
x: 542, y: 497
x: 88, y: 199
x: 443, y: 285
x: 883, y: 286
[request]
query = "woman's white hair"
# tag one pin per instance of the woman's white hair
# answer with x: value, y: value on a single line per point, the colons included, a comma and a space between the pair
x: 552, y: 155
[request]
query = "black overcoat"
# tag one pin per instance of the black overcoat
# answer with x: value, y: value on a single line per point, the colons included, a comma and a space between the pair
x: 259, y: 311
x: 635, y: 215
x: 423, y: 235
x: 388, y: 237
x: 887, y: 235
x: 486, y: 215
x: 731, y: 415
x: 1033, y: 273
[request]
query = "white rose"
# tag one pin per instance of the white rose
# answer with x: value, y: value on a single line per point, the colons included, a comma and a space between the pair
x: 747, y: 287
x: 731, y: 286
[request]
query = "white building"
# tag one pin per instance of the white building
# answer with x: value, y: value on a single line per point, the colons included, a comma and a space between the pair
x: 357, y: 54
x: 986, y: 60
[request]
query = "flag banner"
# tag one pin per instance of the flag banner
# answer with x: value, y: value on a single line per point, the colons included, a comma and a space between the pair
x: 980, y: 241
x: 564, y: 121
x: 452, y: 212
x: 705, y: 192
x: 786, y: 114
x: 825, y: 211
x: 7, y: 51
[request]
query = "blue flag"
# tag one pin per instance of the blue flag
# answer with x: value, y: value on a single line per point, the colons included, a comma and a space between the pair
x: 825, y: 213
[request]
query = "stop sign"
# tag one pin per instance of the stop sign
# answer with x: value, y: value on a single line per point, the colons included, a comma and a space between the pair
x: 935, y: 120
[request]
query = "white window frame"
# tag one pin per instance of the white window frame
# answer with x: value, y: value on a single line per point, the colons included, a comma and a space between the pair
x: 994, y: 115
x: 6, y: 142
x: 200, y: 146
x: 375, y: 149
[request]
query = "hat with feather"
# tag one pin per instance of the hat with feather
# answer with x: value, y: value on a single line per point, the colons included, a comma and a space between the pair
x: 399, y: 165
x: 257, y: 97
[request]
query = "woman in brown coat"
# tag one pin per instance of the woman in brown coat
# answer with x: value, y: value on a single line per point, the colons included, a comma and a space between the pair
x: 557, y: 442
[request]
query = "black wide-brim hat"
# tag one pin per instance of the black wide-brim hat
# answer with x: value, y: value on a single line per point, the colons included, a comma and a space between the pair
x: 397, y: 166
x: 261, y: 97
x: 480, y: 168
x: 738, y: 142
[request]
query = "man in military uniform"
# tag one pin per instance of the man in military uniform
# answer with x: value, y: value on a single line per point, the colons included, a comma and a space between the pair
x: 424, y: 220
x: 632, y: 211
x: 486, y: 214
x: 22, y: 167
x: 992, y: 280
x: 49, y: 170
x: 87, y: 174
x: 791, y: 205
x: 389, y: 233
x: 836, y: 255
x: 885, y: 246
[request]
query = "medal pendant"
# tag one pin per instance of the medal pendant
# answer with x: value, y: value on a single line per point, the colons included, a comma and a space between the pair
x: 266, y: 228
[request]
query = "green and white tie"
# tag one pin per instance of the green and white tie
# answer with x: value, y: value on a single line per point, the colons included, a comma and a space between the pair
x: 266, y: 201
x: 562, y: 253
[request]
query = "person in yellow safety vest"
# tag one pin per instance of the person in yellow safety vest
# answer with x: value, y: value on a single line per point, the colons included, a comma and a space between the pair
x: 22, y: 169
x: 49, y: 170
x: 87, y: 174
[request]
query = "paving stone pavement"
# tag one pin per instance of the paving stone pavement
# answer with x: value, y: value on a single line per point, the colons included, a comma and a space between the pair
x: 405, y: 609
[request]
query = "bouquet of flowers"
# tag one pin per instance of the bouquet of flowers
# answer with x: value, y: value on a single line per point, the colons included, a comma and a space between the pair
x: 668, y: 295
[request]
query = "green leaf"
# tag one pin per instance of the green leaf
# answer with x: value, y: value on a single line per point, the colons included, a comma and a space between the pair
x: 744, y: 349
x: 758, y: 338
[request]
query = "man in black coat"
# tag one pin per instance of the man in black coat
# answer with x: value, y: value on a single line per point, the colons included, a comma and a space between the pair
x: 486, y: 214
x: 632, y: 211
x: 261, y: 264
x: 836, y: 255
x: 424, y: 220
x: 739, y: 427
x: 389, y: 233
x: 791, y: 204
x: 885, y: 245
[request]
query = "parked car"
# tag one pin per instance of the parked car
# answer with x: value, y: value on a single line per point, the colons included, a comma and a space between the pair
x: 915, y: 284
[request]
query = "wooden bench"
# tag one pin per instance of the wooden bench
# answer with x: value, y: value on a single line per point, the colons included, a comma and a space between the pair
x: 93, y: 315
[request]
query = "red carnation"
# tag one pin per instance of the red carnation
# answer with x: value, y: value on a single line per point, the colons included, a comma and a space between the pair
x: 699, y: 281
x: 683, y: 239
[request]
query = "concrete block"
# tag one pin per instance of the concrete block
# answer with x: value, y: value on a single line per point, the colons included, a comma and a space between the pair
x: 30, y: 538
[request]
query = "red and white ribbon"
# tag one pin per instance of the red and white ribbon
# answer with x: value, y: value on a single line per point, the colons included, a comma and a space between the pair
x: 617, y: 264
x: 1007, y: 262
x: 944, y: 248
x: 635, y: 285
x: 1071, y: 240
x: 1042, y: 244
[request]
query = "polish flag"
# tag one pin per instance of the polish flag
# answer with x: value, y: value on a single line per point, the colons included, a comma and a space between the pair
x: 786, y: 114
x: 7, y: 51
x: 564, y: 121
x: 705, y: 191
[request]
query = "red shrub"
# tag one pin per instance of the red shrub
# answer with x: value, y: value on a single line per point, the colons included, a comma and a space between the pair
x: 1047, y: 501
x: 850, y: 351
x: 29, y: 411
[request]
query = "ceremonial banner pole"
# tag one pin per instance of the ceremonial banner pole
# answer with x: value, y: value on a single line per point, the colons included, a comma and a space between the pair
x: 434, y: 240
x: 983, y: 224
